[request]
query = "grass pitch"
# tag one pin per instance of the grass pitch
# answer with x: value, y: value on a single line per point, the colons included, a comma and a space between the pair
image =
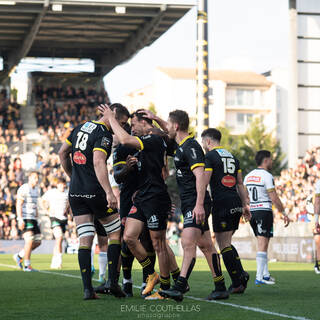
x: 57, y: 295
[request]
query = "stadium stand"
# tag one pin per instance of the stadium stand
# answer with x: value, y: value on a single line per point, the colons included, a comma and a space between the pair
x: 296, y: 185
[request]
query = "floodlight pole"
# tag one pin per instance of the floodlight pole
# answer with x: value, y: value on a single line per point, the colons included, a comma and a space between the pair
x: 202, y: 75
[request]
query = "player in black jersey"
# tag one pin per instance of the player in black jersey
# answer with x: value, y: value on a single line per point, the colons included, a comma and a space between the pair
x: 230, y: 202
x: 126, y: 174
x: 195, y: 204
x: 152, y: 202
x: 90, y: 194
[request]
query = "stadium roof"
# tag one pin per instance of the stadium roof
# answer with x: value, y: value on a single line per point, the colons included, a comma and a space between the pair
x: 109, y: 32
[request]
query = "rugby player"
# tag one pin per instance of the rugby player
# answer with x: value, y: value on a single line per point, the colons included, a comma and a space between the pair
x: 316, y: 230
x: 151, y: 203
x: 91, y: 195
x: 229, y: 202
x: 195, y: 206
x: 27, y: 214
x: 56, y: 202
x: 260, y: 185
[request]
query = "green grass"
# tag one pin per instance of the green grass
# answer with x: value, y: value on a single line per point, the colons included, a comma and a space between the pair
x: 53, y: 297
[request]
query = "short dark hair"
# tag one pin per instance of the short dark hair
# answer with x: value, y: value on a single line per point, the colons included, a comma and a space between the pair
x: 181, y: 118
x: 261, y: 155
x: 120, y: 110
x: 61, y: 180
x: 212, y: 133
x: 140, y: 115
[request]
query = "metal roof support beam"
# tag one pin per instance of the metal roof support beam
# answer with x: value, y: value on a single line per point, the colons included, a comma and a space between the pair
x: 16, y: 56
x: 136, y: 42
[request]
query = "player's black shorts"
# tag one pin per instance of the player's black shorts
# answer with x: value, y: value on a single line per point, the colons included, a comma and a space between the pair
x: 153, y: 212
x: 31, y: 225
x: 226, y: 214
x: 189, y: 222
x: 59, y: 223
x: 125, y: 207
x: 262, y: 223
x: 97, y: 205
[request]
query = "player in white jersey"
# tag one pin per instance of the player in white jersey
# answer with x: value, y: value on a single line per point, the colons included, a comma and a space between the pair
x: 260, y: 185
x: 56, y: 201
x: 316, y: 230
x: 27, y: 213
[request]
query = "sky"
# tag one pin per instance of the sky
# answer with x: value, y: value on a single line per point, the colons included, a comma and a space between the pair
x: 243, y: 35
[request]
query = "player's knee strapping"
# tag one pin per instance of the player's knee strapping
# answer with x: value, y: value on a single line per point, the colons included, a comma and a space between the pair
x: 86, y: 230
x: 112, y: 226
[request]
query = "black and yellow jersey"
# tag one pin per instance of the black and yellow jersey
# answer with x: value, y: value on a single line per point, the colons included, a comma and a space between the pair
x: 225, y: 168
x: 151, y: 160
x: 85, y: 139
x: 188, y: 156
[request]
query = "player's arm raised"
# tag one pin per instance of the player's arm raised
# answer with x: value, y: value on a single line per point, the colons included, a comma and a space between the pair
x: 244, y: 196
x: 162, y: 123
x: 123, y: 136
x: 65, y: 160
x: 100, y: 168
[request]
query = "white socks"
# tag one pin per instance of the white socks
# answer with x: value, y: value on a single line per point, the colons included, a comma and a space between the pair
x: 262, y: 264
x: 103, y: 261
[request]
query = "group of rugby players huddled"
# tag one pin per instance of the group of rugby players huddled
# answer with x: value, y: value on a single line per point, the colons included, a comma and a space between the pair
x: 139, y: 231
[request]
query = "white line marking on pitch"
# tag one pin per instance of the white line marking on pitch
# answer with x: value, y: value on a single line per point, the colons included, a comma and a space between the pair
x: 281, y: 315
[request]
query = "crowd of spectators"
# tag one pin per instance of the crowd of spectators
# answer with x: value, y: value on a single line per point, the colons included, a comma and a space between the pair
x: 296, y: 185
x: 11, y: 127
x: 12, y: 176
x: 59, y: 109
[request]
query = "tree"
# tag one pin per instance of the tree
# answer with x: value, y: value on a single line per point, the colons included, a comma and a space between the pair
x: 245, y: 146
x: 257, y: 138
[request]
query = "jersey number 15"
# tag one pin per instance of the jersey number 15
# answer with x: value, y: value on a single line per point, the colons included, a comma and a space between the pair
x: 228, y: 165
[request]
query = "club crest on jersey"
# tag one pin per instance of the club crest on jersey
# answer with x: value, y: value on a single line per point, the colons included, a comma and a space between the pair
x: 88, y: 127
x: 133, y: 210
x: 228, y: 181
x: 105, y: 142
x: 79, y: 158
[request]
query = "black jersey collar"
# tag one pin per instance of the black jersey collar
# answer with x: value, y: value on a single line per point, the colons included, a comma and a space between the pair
x: 218, y: 147
x: 185, y: 139
x: 97, y: 122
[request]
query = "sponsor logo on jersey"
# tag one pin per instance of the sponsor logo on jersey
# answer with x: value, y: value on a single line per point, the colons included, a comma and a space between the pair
x: 253, y: 179
x: 79, y: 158
x: 224, y: 153
x: 87, y: 196
x: 133, y: 210
x: 88, y: 127
x: 235, y: 210
x: 228, y: 181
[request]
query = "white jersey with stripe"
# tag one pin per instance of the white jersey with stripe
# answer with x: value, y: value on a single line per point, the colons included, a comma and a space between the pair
x: 30, y: 201
x: 259, y: 182
x: 58, y: 202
